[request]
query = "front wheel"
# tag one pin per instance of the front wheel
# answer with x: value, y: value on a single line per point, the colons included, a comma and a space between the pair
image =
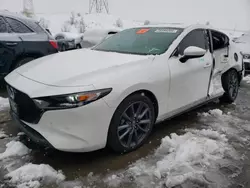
x: 131, y: 124
x: 230, y: 83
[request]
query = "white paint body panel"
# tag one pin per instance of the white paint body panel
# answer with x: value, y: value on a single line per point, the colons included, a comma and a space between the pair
x: 175, y: 85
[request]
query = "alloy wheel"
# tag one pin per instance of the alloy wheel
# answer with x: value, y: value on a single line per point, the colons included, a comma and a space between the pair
x: 135, y: 123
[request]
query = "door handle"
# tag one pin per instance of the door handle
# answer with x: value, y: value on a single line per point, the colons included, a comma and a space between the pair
x: 11, y: 43
x: 207, y: 65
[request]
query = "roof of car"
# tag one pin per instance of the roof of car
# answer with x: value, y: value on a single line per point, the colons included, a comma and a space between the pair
x: 15, y: 15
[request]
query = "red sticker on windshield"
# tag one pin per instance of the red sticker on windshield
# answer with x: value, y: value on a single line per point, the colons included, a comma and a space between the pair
x: 142, y: 31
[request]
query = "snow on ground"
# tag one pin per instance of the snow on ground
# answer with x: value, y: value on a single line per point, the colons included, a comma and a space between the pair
x: 4, y: 103
x: 30, y: 175
x: 247, y: 79
x: 14, y: 148
x: 2, y: 134
x: 23, y: 175
x: 195, y: 156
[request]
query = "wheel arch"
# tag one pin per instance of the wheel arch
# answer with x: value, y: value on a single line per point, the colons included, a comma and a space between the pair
x: 147, y: 93
x: 235, y: 68
x: 23, y: 56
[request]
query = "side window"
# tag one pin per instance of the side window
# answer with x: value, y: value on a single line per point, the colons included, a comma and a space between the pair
x: 219, y: 40
x: 3, y: 27
x: 194, y: 38
x: 18, y: 27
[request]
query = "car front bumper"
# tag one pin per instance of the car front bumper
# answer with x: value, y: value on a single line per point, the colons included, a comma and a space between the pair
x: 81, y: 129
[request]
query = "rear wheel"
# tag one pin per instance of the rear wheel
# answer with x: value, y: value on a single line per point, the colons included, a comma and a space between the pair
x: 78, y: 46
x: 63, y: 48
x: 230, y: 83
x: 131, y: 124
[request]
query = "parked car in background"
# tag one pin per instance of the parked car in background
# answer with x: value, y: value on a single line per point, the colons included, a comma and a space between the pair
x: 93, y: 37
x: 243, y: 43
x: 113, y: 94
x: 69, y: 41
x: 22, y: 40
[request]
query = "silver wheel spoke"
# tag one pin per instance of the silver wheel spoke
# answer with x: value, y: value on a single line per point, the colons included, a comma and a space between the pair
x: 124, y: 134
x: 133, y: 110
x: 123, y: 127
x: 126, y: 117
x: 130, y: 138
x: 145, y: 121
x: 143, y: 113
x: 139, y: 109
x: 142, y: 129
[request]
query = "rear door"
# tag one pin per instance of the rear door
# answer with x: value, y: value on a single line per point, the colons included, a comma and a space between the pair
x: 190, y: 80
x: 10, y: 46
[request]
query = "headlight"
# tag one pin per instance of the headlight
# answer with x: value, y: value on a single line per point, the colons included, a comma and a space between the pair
x: 70, y: 100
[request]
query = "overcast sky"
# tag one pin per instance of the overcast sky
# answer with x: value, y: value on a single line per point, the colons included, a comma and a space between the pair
x: 221, y: 13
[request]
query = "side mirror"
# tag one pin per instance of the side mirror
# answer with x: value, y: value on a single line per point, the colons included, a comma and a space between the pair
x: 192, y: 52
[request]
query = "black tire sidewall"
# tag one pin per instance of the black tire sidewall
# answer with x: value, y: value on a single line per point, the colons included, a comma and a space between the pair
x: 113, y: 140
x: 225, y: 83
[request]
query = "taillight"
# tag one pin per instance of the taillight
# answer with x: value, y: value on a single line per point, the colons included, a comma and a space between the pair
x: 54, y: 44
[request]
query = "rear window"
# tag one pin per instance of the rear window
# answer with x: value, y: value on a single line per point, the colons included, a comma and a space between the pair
x: 142, y: 41
x: 36, y: 27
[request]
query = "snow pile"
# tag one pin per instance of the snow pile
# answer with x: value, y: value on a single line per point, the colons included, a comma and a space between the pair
x: 183, y: 157
x: 30, y: 175
x: 14, y: 148
x: 2, y: 134
x: 247, y: 79
x: 192, y: 157
x: 4, y: 103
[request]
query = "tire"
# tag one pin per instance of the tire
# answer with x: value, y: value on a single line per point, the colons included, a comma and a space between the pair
x: 63, y: 48
x: 230, y: 84
x: 140, y: 127
x: 78, y: 46
x: 23, y: 61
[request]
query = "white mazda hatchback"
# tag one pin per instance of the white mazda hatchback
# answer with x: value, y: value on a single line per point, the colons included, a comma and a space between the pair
x: 113, y: 94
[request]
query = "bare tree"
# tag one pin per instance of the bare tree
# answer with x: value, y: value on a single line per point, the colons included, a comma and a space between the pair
x: 28, y: 8
x: 147, y: 22
x: 72, y: 18
x: 82, y: 25
x: 44, y: 23
x: 119, y: 23
x: 66, y: 27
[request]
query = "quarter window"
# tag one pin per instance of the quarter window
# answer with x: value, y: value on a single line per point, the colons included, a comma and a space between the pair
x: 17, y: 26
x: 194, y: 38
x: 3, y: 27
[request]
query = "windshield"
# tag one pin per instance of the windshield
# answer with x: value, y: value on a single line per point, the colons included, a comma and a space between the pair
x: 142, y: 41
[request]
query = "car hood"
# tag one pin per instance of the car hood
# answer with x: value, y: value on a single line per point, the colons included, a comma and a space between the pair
x: 64, y: 69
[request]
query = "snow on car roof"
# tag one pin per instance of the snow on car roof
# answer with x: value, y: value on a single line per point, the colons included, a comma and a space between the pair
x: 15, y: 15
x: 70, y: 35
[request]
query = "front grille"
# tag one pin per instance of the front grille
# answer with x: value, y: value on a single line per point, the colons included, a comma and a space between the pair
x: 26, y: 108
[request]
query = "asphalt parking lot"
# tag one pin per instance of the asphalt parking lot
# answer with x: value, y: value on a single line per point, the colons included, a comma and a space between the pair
x: 90, y: 169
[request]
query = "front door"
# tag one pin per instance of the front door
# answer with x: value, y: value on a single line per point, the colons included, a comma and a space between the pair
x: 220, y: 46
x: 9, y: 45
x: 190, y: 80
